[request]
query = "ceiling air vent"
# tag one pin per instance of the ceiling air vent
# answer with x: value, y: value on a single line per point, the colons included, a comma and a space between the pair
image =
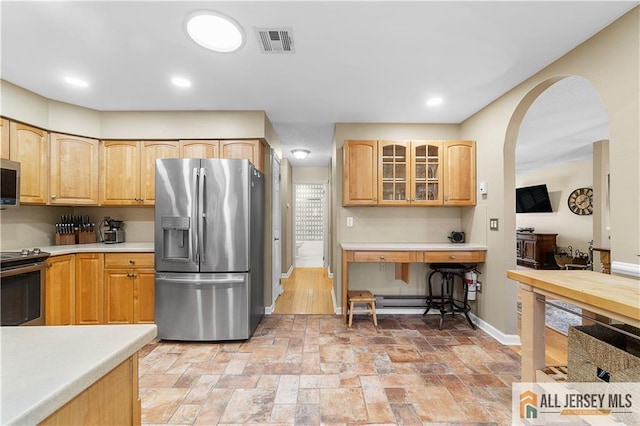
x: 275, y: 40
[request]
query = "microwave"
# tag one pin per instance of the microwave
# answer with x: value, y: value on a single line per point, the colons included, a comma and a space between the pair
x: 9, y: 183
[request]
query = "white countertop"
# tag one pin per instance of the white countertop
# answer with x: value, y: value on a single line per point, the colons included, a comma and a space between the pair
x: 146, y: 247
x: 43, y: 368
x: 412, y: 246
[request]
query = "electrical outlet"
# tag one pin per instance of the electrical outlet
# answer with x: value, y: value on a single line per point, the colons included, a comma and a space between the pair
x: 493, y: 224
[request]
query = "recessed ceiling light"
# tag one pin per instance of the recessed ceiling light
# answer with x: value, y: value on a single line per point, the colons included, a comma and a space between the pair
x: 181, y: 82
x: 215, y: 31
x: 77, y: 82
x: 434, y: 101
x: 300, y: 154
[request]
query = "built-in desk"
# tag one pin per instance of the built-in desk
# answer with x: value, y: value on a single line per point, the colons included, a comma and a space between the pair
x: 403, y: 254
x: 609, y: 295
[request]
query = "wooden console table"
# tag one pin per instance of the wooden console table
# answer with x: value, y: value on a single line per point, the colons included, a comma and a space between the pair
x: 609, y: 295
x: 403, y: 254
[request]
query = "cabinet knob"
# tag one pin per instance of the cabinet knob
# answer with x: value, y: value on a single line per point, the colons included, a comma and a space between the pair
x: 132, y: 261
x: 453, y: 256
x: 382, y: 258
x: 48, y: 264
x: 53, y: 197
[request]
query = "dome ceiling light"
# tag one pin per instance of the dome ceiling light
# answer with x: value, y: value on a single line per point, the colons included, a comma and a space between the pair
x: 300, y: 154
x: 215, y: 31
x: 181, y: 82
x: 435, y: 101
x: 75, y: 81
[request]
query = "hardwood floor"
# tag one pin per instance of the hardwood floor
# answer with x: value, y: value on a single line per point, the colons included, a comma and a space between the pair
x: 306, y: 291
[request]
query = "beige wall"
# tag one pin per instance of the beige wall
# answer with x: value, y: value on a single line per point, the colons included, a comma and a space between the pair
x: 610, y: 61
x: 310, y: 174
x: 286, y: 211
x: 573, y: 230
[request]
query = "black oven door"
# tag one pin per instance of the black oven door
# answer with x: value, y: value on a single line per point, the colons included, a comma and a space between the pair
x: 22, y: 295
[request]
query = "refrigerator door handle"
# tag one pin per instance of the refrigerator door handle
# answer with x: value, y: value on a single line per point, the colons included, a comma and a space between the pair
x: 195, y: 234
x: 202, y: 216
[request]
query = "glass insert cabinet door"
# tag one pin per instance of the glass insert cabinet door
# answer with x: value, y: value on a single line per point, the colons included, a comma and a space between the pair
x: 393, y: 173
x: 426, y: 166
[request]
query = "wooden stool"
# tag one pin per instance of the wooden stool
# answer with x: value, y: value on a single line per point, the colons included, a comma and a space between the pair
x: 362, y: 297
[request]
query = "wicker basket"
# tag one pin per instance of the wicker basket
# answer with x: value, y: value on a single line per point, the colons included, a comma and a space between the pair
x: 596, y: 349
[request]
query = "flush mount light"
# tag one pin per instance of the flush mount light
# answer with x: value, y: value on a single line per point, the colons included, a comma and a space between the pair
x: 77, y: 82
x: 434, y: 101
x: 181, y: 82
x: 215, y: 31
x: 300, y: 154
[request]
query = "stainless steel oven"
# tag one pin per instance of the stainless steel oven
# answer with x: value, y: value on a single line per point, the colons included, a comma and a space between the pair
x: 22, y: 281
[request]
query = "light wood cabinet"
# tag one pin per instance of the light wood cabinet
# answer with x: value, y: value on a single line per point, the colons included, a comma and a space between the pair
x: 151, y: 151
x: 60, y: 282
x: 409, y: 173
x: 4, y: 138
x: 199, y: 149
x: 251, y: 150
x: 73, y: 173
x: 360, y: 173
x: 30, y: 146
x: 459, y: 173
x: 89, y: 288
x: 129, y: 288
x: 128, y: 170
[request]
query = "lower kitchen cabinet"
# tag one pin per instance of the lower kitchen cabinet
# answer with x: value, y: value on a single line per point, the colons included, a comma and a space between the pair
x: 89, y: 288
x: 60, y: 290
x: 129, y: 288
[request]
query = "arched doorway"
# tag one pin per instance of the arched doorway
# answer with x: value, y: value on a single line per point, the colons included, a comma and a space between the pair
x: 556, y: 124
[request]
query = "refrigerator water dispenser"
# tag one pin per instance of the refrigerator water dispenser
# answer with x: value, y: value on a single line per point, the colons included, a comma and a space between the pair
x: 175, y: 237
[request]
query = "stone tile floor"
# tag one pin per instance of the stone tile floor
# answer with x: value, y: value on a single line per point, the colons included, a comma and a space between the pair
x: 312, y: 369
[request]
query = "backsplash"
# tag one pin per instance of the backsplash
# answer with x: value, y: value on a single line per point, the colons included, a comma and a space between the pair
x: 34, y: 226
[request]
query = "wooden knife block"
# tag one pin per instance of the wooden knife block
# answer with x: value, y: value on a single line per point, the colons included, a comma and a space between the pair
x: 78, y: 237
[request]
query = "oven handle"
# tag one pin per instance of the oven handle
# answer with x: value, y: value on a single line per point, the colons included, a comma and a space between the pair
x: 39, y: 266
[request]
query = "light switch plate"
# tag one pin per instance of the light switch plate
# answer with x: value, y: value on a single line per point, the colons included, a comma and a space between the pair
x: 349, y: 221
x: 493, y: 224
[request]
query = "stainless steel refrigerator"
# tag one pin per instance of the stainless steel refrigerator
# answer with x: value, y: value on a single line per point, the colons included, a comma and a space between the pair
x: 209, y: 249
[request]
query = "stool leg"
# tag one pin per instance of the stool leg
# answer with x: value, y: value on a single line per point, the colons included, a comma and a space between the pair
x: 443, y: 295
x: 430, y: 295
x: 350, y: 313
x: 375, y: 318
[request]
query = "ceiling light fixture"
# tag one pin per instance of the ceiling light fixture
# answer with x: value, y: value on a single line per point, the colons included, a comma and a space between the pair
x: 77, y: 82
x: 181, y: 82
x: 434, y: 101
x: 300, y: 154
x: 215, y: 31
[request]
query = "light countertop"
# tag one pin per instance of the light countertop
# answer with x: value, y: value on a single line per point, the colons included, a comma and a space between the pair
x: 43, y: 368
x: 413, y: 246
x: 146, y: 247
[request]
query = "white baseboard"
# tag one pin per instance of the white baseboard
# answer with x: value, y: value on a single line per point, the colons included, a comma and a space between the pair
x: 268, y: 310
x: 505, y: 339
x: 627, y: 269
x: 288, y: 273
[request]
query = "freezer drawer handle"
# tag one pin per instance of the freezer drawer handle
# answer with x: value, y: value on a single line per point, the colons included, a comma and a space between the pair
x: 205, y: 281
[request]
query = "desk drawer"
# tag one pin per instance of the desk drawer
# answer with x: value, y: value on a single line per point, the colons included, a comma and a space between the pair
x: 128, y: 260
x: 385, y: 256
x: 454, y: 256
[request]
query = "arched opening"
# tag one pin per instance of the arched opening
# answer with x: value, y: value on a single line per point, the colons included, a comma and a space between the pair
x: 550, y: 140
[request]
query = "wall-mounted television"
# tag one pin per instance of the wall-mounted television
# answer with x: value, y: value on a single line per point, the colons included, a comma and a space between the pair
x: 533, y: 199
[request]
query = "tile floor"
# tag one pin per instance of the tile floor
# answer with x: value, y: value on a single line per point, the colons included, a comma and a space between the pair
x: 312, y: 369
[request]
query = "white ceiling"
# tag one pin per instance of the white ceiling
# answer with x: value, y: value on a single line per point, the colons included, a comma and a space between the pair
x: 370, y: 62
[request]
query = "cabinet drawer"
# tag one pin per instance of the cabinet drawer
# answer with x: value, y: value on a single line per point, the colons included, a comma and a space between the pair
x: 454, y: 256
x: 128, y: 260
x: 385, y: 256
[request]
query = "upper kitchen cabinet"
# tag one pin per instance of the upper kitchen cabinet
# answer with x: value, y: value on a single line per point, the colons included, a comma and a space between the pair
x: 459, y: 173
x: 409, y: 173
x: 128, y: 170
x: 426, y: 162
x: 251, y: 150
x: 199, y: 149
x: 30, y: 146
x: 394, y: 173
x: 73, y: 173
x: 4, y: 138
x: 150, y: 152
x: 360, y: 173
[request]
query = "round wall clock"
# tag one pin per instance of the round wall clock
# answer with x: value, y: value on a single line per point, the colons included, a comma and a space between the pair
x: 581, y: 201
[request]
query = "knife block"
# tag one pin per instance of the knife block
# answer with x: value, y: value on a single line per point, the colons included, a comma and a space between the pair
x: 64, y: 239
x: 86, y: 237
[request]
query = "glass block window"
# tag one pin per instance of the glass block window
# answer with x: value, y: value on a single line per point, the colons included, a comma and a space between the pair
x: 309, y: 218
